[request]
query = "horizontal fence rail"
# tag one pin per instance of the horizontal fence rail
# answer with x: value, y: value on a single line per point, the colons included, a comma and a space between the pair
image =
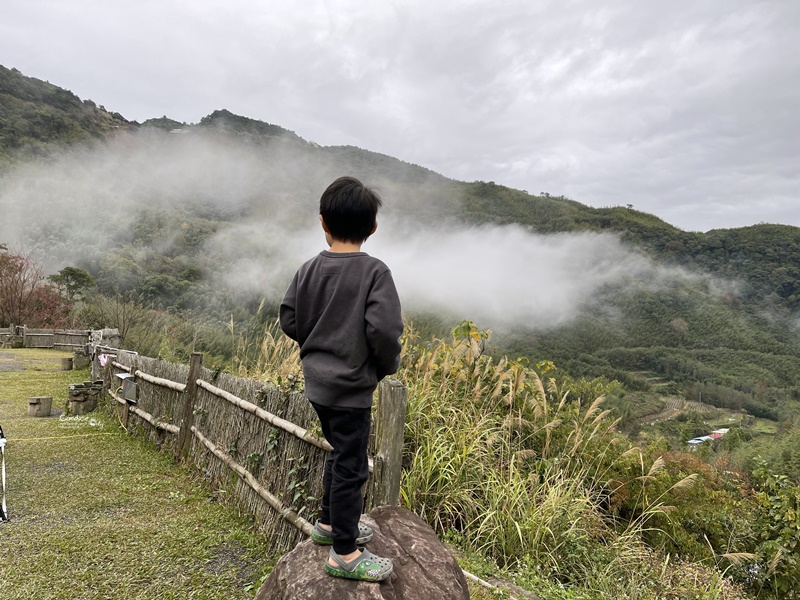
x: 173, y: 385
x: 295, y: 430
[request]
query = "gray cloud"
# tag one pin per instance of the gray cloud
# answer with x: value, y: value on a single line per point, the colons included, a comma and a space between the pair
x: 686, y: 110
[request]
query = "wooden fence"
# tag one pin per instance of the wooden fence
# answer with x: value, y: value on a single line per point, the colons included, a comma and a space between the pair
x: 259, y: 445
x: 61, y: 339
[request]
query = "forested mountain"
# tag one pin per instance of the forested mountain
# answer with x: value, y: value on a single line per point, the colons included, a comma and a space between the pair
x: 188, y: 206
x: 37, y: 117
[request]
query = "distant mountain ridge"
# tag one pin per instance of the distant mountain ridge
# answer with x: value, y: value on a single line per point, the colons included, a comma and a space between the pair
x: 37, y: 116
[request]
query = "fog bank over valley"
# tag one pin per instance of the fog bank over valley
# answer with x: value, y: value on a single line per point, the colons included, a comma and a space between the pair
x: 260, y: 203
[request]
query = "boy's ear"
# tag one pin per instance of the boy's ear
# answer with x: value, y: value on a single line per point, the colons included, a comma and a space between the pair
x: 374, y: 228
x: 324, y: 225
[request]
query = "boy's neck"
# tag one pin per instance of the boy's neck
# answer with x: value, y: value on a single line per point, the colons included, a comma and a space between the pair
x: 340, y: 246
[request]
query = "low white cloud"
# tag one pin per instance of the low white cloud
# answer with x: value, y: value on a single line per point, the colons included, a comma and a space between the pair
x: 499, y: 276
x: 503, y: 276
x: 76, y: 207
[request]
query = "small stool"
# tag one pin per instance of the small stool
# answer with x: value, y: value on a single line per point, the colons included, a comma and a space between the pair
x: 40, y: 406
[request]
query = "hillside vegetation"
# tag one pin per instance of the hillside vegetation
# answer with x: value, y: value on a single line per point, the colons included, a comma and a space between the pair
x: 37, y: 118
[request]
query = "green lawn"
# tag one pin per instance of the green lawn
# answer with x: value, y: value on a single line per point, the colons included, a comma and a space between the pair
x: 98, y: 514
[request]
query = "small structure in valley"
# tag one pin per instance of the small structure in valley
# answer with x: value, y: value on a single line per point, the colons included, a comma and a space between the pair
x: 713, y: 436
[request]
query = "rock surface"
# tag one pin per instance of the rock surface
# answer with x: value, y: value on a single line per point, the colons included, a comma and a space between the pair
x: 423, y: 568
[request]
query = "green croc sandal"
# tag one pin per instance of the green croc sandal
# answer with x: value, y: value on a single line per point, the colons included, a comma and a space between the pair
x: 325, y: 537
x: 366, y: 567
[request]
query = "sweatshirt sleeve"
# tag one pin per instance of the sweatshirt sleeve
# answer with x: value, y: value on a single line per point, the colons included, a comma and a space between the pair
x: 384, y: 325
x: 288, y: 310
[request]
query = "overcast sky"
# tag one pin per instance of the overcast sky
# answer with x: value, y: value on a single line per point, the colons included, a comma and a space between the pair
x: 687, y: 109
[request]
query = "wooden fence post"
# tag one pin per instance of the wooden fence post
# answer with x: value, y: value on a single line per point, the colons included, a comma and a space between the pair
x: 189, y: 397
x: 126, y: 413
x: 390, y: 419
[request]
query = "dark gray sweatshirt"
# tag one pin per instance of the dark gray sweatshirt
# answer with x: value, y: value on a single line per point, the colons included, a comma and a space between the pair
x: 343, y: 310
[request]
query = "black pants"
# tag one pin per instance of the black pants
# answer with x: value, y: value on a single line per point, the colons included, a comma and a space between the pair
x: 346, y: 471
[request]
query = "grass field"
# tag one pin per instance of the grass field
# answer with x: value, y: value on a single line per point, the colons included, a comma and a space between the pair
x: 97, y: 514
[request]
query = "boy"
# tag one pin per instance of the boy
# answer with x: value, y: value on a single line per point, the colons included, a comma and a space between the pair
x: 343, y: 310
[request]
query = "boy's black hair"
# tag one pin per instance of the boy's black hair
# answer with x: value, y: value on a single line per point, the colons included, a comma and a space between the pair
x: 349, y: 209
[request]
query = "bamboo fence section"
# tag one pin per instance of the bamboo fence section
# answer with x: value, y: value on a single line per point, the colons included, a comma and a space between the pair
x: 295, y: 430
x: 258, y: 445
x: 287, y: 513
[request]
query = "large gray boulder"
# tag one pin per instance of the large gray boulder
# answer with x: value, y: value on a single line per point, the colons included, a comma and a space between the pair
x: 423, y: 568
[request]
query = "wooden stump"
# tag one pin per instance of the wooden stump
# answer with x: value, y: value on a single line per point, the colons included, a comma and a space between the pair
x: 40, y: 406
x: 66, y: 364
